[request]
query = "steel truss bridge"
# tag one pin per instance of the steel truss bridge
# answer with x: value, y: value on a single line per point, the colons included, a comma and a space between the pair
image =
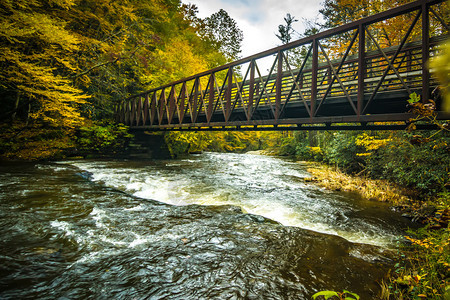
x: 349, y: 77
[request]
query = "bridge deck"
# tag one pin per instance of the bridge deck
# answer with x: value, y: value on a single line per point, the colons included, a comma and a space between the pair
x: 343, y: 76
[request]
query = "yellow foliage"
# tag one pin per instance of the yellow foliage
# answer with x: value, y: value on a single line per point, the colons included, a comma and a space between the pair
x: 38, y: 51
x: 176, y: 60
x: 387, y: 33
x: 315, y: 150
x: 370, y: 143
x: 24, y: 25
x: 441, y: 66
x: 426, y: 243
x: 33, y: 142
x: 381, y: 190
x: 364, y: 154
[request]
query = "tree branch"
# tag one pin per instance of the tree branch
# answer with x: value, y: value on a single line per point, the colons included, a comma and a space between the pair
x: 105, y: 63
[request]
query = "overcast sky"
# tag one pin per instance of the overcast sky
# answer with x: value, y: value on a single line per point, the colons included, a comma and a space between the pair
x: 259, y: 19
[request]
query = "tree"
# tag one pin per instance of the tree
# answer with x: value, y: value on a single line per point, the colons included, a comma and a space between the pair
x: 441, y: 64
x: 387, y: 33
x: 63, y: 62
x: 36, y: 55
x: 285, y: 31
x: 224, y: 34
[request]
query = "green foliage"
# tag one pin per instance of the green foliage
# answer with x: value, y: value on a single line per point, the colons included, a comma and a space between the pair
x: 285, y: 31
x: 310, y: 153
x: 38, y: 142
x: 425, y: 271
x: 181, y: 143
x: 102, y: 138
x: 413, y: 98
x: 423, y: 166
x: 341, y: 150
x: 287, y: 146
x: 33, y: 142
x: 410, y: 160
x: 345, y: 295
x: 224, y: 34
x: 326, y: 294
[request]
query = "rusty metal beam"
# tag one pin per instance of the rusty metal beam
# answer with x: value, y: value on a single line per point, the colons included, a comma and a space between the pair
x: 361, y: 67
x: 325, y: 127
x: 315, y: 63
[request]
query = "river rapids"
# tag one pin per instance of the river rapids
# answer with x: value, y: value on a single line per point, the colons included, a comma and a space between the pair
x: 210, y: 226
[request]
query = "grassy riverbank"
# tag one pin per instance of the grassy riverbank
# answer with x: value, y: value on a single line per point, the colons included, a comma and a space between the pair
x: 374, y: 189
x: 423, y: 268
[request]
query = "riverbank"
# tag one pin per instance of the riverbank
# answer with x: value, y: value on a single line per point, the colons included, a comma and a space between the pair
x: 372, y: 189
x: 434, y: 212
x: 423, y: 268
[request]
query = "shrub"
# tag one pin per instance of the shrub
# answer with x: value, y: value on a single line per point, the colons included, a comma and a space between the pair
x: 102, y: 138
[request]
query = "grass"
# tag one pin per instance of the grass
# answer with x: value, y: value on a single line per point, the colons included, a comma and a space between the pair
x: 377, y: 189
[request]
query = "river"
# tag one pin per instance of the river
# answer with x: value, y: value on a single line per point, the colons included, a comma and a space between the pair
x: 210, y: 226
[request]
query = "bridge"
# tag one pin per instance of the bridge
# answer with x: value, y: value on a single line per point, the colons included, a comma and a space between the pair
x: 355, y: 76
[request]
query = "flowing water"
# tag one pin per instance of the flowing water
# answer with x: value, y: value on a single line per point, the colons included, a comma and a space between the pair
x: 213, y: 226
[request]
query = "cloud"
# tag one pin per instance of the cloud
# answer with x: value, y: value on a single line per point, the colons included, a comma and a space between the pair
x: 259, y: 19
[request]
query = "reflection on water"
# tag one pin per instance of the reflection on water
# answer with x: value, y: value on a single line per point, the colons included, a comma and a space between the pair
x: 66, y: 236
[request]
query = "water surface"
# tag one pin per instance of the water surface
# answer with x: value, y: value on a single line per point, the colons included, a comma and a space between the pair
x: 213, y: 226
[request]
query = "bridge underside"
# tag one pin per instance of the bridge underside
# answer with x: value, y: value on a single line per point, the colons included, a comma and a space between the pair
x: 346, y: 78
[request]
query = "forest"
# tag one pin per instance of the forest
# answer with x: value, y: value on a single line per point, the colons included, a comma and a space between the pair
x: 65, y: 64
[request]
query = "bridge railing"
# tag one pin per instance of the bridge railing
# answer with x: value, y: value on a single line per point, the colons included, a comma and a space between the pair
x: 359, y: 72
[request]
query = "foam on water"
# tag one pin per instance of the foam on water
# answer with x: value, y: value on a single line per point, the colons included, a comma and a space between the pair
x: 260, y: 185
x: 67, y: 237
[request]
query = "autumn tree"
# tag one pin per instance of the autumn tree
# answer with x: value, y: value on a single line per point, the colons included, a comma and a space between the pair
x: 65, y: 62
x: 119, y: 44
x: 387, y: 33
x: 36, y: 59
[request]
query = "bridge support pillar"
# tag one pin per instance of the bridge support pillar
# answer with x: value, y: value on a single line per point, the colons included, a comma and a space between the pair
x: 148, y: 146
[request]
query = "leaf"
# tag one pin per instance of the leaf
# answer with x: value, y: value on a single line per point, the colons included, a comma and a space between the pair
x: 325, y: 294
x: 354, y: 296
x: 413, y: 98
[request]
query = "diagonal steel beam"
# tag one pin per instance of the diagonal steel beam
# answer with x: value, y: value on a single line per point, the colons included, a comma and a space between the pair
x: 336, y: 75
x: 264, y: 87
x: 181, y: 103
x: 296, y: 85
x: 219, y: 99
x: 239, y: 91
x: 162, y: 105
x: 405, y: 38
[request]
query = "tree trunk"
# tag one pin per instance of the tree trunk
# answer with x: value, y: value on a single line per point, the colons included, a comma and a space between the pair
x: 28, y: 113
x: 312, y: 136
x: 16, y: 106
